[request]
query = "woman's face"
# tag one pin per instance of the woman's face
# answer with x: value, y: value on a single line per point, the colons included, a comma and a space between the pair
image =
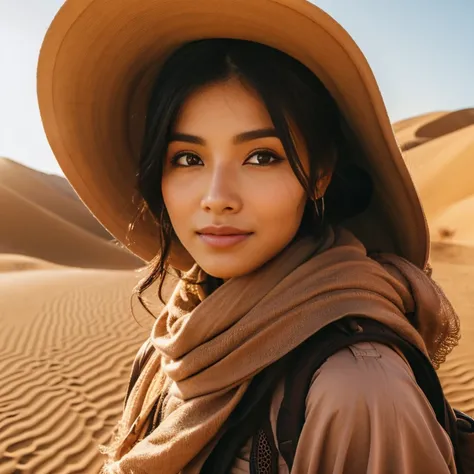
x: 226, y: 168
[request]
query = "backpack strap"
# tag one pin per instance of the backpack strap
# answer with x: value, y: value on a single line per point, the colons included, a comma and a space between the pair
x: 246, y: 419
x: 325, y: 343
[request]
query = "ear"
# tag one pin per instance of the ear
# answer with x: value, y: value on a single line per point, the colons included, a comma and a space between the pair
x: 322, y: 185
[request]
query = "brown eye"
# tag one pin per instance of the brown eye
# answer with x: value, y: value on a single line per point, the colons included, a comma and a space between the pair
x: 186, y: 160
x: 263, y: 158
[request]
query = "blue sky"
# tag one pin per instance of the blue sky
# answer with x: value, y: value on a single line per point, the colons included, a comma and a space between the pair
x: 421, y: 52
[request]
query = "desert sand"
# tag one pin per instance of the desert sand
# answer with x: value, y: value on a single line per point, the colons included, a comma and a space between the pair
x: 40, y: 212
x: 68, y: 336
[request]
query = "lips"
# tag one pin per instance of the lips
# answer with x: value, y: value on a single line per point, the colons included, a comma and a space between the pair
x: 223, y: 236
x: 223, y: 241
x: 222, y: 230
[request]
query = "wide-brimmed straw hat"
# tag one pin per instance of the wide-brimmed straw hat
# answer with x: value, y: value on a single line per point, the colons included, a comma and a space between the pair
x: 95, y: 72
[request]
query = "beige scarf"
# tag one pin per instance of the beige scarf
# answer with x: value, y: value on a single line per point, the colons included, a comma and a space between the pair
x: 209, y: 348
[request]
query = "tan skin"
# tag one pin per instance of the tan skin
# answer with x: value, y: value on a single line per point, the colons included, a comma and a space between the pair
x: 216, y: 173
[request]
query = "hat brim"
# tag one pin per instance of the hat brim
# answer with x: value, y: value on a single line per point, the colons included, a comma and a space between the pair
x: 94, y: 77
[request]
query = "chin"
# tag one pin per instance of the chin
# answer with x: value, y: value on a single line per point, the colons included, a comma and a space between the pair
x: 224, y: 269
x: 219, y: 272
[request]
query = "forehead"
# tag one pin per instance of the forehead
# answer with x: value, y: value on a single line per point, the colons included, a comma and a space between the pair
x: 224, y: 105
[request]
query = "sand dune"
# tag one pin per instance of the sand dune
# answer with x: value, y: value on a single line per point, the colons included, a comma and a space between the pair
x: 17, y: 263
x: 41, y: 217
x: 49, y: 192
x: 406, y: 129
x: 446, y: 124
x: 68, y: 337
x: 442, y: 168
x: 418, y: 130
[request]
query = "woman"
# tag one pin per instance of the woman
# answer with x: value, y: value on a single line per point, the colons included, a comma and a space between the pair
x: 244, y: 147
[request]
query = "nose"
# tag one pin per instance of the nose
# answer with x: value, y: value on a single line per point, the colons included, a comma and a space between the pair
x: 221, y: 196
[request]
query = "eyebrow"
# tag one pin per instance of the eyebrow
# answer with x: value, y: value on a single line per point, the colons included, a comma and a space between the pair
x: 240, y: 138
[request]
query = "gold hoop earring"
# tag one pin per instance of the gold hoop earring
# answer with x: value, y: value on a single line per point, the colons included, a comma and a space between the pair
x: 319, y: 207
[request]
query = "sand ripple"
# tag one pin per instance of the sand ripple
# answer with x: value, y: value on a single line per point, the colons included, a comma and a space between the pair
x: 68, y: 342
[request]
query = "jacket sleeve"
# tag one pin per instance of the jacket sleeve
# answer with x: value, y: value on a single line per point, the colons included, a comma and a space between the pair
x: 365, y: 414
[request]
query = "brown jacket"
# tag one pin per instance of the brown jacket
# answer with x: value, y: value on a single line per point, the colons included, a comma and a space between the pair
x: 365, y: 414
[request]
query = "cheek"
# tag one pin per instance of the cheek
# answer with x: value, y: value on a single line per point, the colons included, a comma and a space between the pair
x: 177, y: 198
x: 281, y: 201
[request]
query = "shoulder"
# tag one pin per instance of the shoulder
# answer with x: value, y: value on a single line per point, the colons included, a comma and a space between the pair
x: 372, y: 387
x: 371, y: 375
x: 364, y: 367
x: 365, y: 411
